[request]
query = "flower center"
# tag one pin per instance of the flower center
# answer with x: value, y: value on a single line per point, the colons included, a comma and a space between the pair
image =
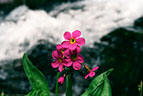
x: 60, y: 60
x: 72, y: 40
x: 87, y: 67
x: 62, y: 51
x: 74, y: 57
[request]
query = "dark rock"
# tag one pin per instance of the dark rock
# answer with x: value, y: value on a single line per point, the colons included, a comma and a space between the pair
x: 12, y: 76
x: 41, y: 57
x: 7, y: 5
x: 139, y: 22
x: 124, y: 53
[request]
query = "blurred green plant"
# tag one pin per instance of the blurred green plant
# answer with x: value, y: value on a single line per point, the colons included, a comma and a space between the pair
x: 140, y: 88
x: 2, y: 94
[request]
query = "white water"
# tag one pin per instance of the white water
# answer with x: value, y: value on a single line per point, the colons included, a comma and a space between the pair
x: 95, y: 19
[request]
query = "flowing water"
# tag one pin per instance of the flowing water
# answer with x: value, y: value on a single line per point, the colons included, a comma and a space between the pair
x: 37, y: 32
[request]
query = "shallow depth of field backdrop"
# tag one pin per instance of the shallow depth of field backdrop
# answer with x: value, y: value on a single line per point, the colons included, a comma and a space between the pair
x: 113, y: 30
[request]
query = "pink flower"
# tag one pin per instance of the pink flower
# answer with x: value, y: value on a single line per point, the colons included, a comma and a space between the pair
x: 61, y: 49
x: 91, y: 72
x: 60, y: 61
x: 73, y: 40
x: 61, y: 79
x: 75, y: 58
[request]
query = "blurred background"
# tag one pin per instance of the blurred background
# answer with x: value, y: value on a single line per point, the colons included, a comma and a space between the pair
x: 113, y: 30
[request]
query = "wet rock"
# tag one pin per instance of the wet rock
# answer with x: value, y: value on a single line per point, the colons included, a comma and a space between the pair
x: 139, y: 22
x: 13, y: 79
x: 12, y: 72
x: 124, y: 53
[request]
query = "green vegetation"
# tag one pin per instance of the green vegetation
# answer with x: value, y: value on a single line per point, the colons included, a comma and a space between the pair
x: 140, y: 88
x: 99, y: 86
x: 37, y: 79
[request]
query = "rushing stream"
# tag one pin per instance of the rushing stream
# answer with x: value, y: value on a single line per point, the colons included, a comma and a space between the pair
x: 113, y: 30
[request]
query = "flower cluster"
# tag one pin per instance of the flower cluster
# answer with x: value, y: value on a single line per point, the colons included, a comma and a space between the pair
x: 67, y: 54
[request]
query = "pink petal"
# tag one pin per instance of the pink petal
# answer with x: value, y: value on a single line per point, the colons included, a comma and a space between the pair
x: 72, y: 46
x: 86, y: 76
x: 55, y: 64
x: 67, y: 53
x: 91, y: 74
x: 76, y: 33
x: 80, y: 59
x: 61, y: 80
x: 67, y: 35
x: 55, y: 54
x: 78, y: 49
x: 68, y: 63
x: 76, y: 66
x: 59, y: 47
x: 95, y: 68
x: 66, y: 44
x: 60, y: 67
x: 80, y: 41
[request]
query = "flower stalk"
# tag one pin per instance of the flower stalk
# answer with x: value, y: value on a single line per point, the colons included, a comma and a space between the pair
x: 67, y: 59
x: 69, y: 84
x: 56, y: 91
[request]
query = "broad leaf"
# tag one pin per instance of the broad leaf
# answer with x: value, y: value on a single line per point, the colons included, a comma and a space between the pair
x: 99, y: 86
x: 37, y: 79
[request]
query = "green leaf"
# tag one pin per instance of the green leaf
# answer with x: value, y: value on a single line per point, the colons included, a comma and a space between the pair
x: 37, y: 79
x: 2, y: 94
x: 100, y: 86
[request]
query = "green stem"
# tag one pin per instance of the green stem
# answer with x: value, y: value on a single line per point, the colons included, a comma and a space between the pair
x: 69, y: 85
x: 56, y: 91
x: 141, y: 88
